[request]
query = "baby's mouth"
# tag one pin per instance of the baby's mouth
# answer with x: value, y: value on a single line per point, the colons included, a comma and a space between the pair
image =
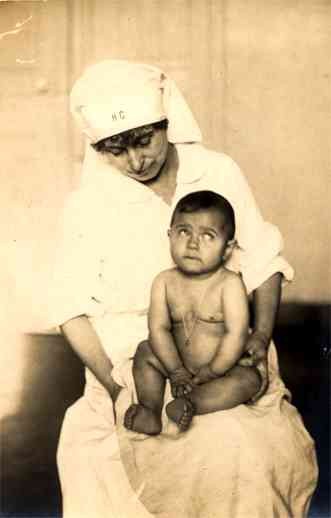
x: 192, y: 258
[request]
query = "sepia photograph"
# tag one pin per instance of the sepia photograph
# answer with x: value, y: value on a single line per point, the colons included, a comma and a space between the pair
x: 165, y: 258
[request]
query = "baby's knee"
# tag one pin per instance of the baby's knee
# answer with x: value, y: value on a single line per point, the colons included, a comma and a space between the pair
x: 248, y: 378
x: 252, y: 379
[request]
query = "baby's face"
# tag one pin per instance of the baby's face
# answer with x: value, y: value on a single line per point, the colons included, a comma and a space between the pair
x: 198, y: 241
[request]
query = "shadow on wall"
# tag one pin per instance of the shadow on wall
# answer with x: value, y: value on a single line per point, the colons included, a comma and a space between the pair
x: 53, y: 380
x: 303, y: 343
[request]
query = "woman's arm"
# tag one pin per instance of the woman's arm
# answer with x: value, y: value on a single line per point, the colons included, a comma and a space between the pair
x: 266, y: 299
x: 86, y: 343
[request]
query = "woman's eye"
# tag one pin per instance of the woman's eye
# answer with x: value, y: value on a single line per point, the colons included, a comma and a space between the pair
x: 145, y: 141
x: 115, y: 151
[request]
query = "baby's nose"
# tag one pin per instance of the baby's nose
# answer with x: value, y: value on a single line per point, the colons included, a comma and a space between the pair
x: 193, y: 241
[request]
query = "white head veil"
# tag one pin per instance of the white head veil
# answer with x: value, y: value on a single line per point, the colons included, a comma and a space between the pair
x: 114, y: 96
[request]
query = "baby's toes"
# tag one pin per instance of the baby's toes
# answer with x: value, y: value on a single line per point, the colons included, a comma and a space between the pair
x: 184, y: 423
x: 186, y: 418
x: 129, y: 416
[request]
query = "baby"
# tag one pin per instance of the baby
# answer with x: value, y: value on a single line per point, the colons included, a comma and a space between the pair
x: 198, y: 322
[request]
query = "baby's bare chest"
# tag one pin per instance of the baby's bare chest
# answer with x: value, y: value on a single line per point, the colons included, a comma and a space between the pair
x: 192, y: 302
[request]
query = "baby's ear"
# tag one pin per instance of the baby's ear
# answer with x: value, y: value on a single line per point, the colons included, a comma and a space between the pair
x: 168, y: 232
x: 231, y: 245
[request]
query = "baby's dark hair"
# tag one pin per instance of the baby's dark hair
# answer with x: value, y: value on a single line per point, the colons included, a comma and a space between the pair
x: 204, y: 200
x: 129, y: 137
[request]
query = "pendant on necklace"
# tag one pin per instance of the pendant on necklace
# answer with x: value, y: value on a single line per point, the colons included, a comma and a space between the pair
x: 187, y: 342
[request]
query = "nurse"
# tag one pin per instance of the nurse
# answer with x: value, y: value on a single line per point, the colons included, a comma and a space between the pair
x: 144, y: 153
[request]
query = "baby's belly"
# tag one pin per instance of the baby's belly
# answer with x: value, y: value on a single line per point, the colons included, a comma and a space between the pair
x: 202, y: 345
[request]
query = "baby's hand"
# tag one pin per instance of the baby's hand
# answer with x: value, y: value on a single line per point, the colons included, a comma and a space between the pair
x: 203, y: 375
x: 180, y: 382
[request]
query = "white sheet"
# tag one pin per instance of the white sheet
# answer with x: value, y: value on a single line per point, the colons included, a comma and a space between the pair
x: 249, y: 462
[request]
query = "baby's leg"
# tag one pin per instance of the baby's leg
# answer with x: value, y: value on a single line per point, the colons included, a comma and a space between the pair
x: 237, y: 386
x: 150, y: 377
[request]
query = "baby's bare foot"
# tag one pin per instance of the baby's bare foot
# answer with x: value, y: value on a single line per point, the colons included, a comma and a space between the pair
x: 181, y: 411
x: 140, y: 419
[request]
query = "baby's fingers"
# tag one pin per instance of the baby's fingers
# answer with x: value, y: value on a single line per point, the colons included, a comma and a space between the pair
x: 174, y: 391
x: 187, y: 388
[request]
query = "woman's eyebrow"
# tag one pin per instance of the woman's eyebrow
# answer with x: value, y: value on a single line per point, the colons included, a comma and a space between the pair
x: 143, y: 135
x: 114, y: 144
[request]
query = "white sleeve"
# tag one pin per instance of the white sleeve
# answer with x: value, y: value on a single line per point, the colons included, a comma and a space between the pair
x: 260, y: 243
x: 76, y: 266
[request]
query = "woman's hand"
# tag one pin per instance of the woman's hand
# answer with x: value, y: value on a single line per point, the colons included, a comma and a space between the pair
x: 114, y: 390
x: 257, y: 355
x: 256, y: 349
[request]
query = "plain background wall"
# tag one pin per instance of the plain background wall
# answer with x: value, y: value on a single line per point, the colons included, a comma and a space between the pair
x: 257, y: 76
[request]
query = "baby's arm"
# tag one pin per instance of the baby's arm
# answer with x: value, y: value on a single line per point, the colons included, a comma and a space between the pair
x: 161, y: 339
x: 236, y: 320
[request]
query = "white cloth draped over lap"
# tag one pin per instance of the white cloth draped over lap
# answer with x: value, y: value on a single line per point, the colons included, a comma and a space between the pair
x: 253, y: 461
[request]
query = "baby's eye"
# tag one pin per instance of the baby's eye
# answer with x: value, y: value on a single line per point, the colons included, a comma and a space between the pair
x: 207, y: 236
x: 182, y: 232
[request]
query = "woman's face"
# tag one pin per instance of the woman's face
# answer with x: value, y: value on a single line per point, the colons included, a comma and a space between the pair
x: 139, y: 153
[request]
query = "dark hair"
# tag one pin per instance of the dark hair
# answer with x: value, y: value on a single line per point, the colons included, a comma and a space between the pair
x: 128, y: 137
x: 204, y: 200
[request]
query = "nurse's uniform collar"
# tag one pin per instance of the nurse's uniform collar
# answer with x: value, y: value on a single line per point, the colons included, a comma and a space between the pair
x: 191, y: 167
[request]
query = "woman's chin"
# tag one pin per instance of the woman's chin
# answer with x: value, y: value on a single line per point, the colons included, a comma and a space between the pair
x: 144, y: 177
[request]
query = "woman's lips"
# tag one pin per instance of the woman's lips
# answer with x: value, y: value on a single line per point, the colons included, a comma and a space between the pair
x: 138, y: 173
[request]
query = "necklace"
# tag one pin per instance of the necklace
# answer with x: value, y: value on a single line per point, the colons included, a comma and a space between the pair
x: 194, y: 317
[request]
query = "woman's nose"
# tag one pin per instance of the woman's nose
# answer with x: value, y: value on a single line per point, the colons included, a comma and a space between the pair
x: 135, y: 159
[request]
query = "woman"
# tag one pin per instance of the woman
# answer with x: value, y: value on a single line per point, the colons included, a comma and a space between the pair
x: 142, y: 155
